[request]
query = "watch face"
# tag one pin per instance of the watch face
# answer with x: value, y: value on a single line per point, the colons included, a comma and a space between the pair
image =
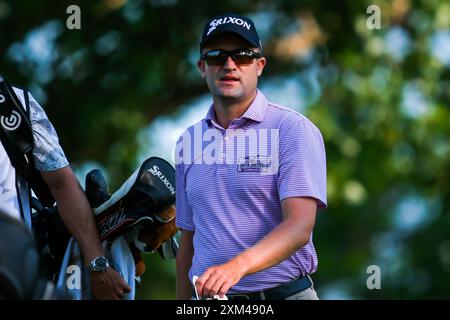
x: 101, y: 263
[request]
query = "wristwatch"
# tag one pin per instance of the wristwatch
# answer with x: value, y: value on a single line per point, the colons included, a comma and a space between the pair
x: 98, y: 264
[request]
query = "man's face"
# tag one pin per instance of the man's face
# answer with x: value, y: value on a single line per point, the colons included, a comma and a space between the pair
x: 231, y: 81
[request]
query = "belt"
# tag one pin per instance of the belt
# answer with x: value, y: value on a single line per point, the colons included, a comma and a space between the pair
x: 278, y: 293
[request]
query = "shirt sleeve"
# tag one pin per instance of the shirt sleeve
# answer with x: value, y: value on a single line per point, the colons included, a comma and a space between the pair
x: 302, y: 170
x: 184, y: 217
x: 47, y: 152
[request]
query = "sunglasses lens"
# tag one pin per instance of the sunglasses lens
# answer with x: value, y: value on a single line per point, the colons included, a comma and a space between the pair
x: 219, y: 57
x: 215, y: 57
x: 216, y: 61
x: 242, y: 58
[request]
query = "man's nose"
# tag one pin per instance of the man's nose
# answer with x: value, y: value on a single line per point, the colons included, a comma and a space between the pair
x: 229, y: 64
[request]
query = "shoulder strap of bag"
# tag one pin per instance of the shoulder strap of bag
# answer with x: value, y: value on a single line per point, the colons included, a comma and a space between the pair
x: 17, y: 138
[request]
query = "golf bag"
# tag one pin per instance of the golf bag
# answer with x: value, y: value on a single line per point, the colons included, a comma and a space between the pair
x: 142, y: 210
x: 22, y: 275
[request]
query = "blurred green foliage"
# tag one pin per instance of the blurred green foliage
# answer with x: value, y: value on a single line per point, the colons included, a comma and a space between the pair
x: 383, y: 109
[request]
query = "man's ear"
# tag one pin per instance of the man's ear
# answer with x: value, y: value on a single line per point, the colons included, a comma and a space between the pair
x: 261, y: 63
x: 201, y: 67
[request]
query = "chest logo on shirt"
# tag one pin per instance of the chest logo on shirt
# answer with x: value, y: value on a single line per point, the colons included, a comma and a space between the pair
x: 254, y: 164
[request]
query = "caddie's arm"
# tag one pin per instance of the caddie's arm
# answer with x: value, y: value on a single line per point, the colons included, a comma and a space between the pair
x: 77, y: 215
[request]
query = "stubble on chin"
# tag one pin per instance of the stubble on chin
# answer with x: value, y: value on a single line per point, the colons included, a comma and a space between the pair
x: 229, y: 97
x: 228, y: 94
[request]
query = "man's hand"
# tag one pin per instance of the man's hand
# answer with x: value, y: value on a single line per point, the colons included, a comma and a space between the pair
x: 218, y: 280
x: 77, y: 215
x: 299, y: 215
x: 108, y: 285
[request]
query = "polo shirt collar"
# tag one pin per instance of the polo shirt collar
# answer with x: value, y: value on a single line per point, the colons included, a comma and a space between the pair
x: 256, y: 111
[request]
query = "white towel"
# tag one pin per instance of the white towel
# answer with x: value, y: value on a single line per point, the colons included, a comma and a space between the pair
x: 74, y: 277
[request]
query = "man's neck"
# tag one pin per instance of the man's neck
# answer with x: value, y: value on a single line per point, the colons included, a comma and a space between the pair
x: 228, y: 110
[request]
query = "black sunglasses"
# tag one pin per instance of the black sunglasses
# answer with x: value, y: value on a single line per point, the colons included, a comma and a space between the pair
x: 239, y: 56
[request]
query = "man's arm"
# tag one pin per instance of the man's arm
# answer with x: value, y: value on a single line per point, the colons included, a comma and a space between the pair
x: 299, y: 215
x: 184, y: 261
x: 77, y: 215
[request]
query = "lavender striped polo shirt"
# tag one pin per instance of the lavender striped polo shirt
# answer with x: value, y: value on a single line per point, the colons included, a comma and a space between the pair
x: 230, y: 184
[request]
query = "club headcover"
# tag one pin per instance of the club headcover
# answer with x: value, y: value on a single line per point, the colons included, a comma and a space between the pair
x: 142, y: 197
x: 96, y: 188
x: 150, y: 236
x: 169, y: 248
